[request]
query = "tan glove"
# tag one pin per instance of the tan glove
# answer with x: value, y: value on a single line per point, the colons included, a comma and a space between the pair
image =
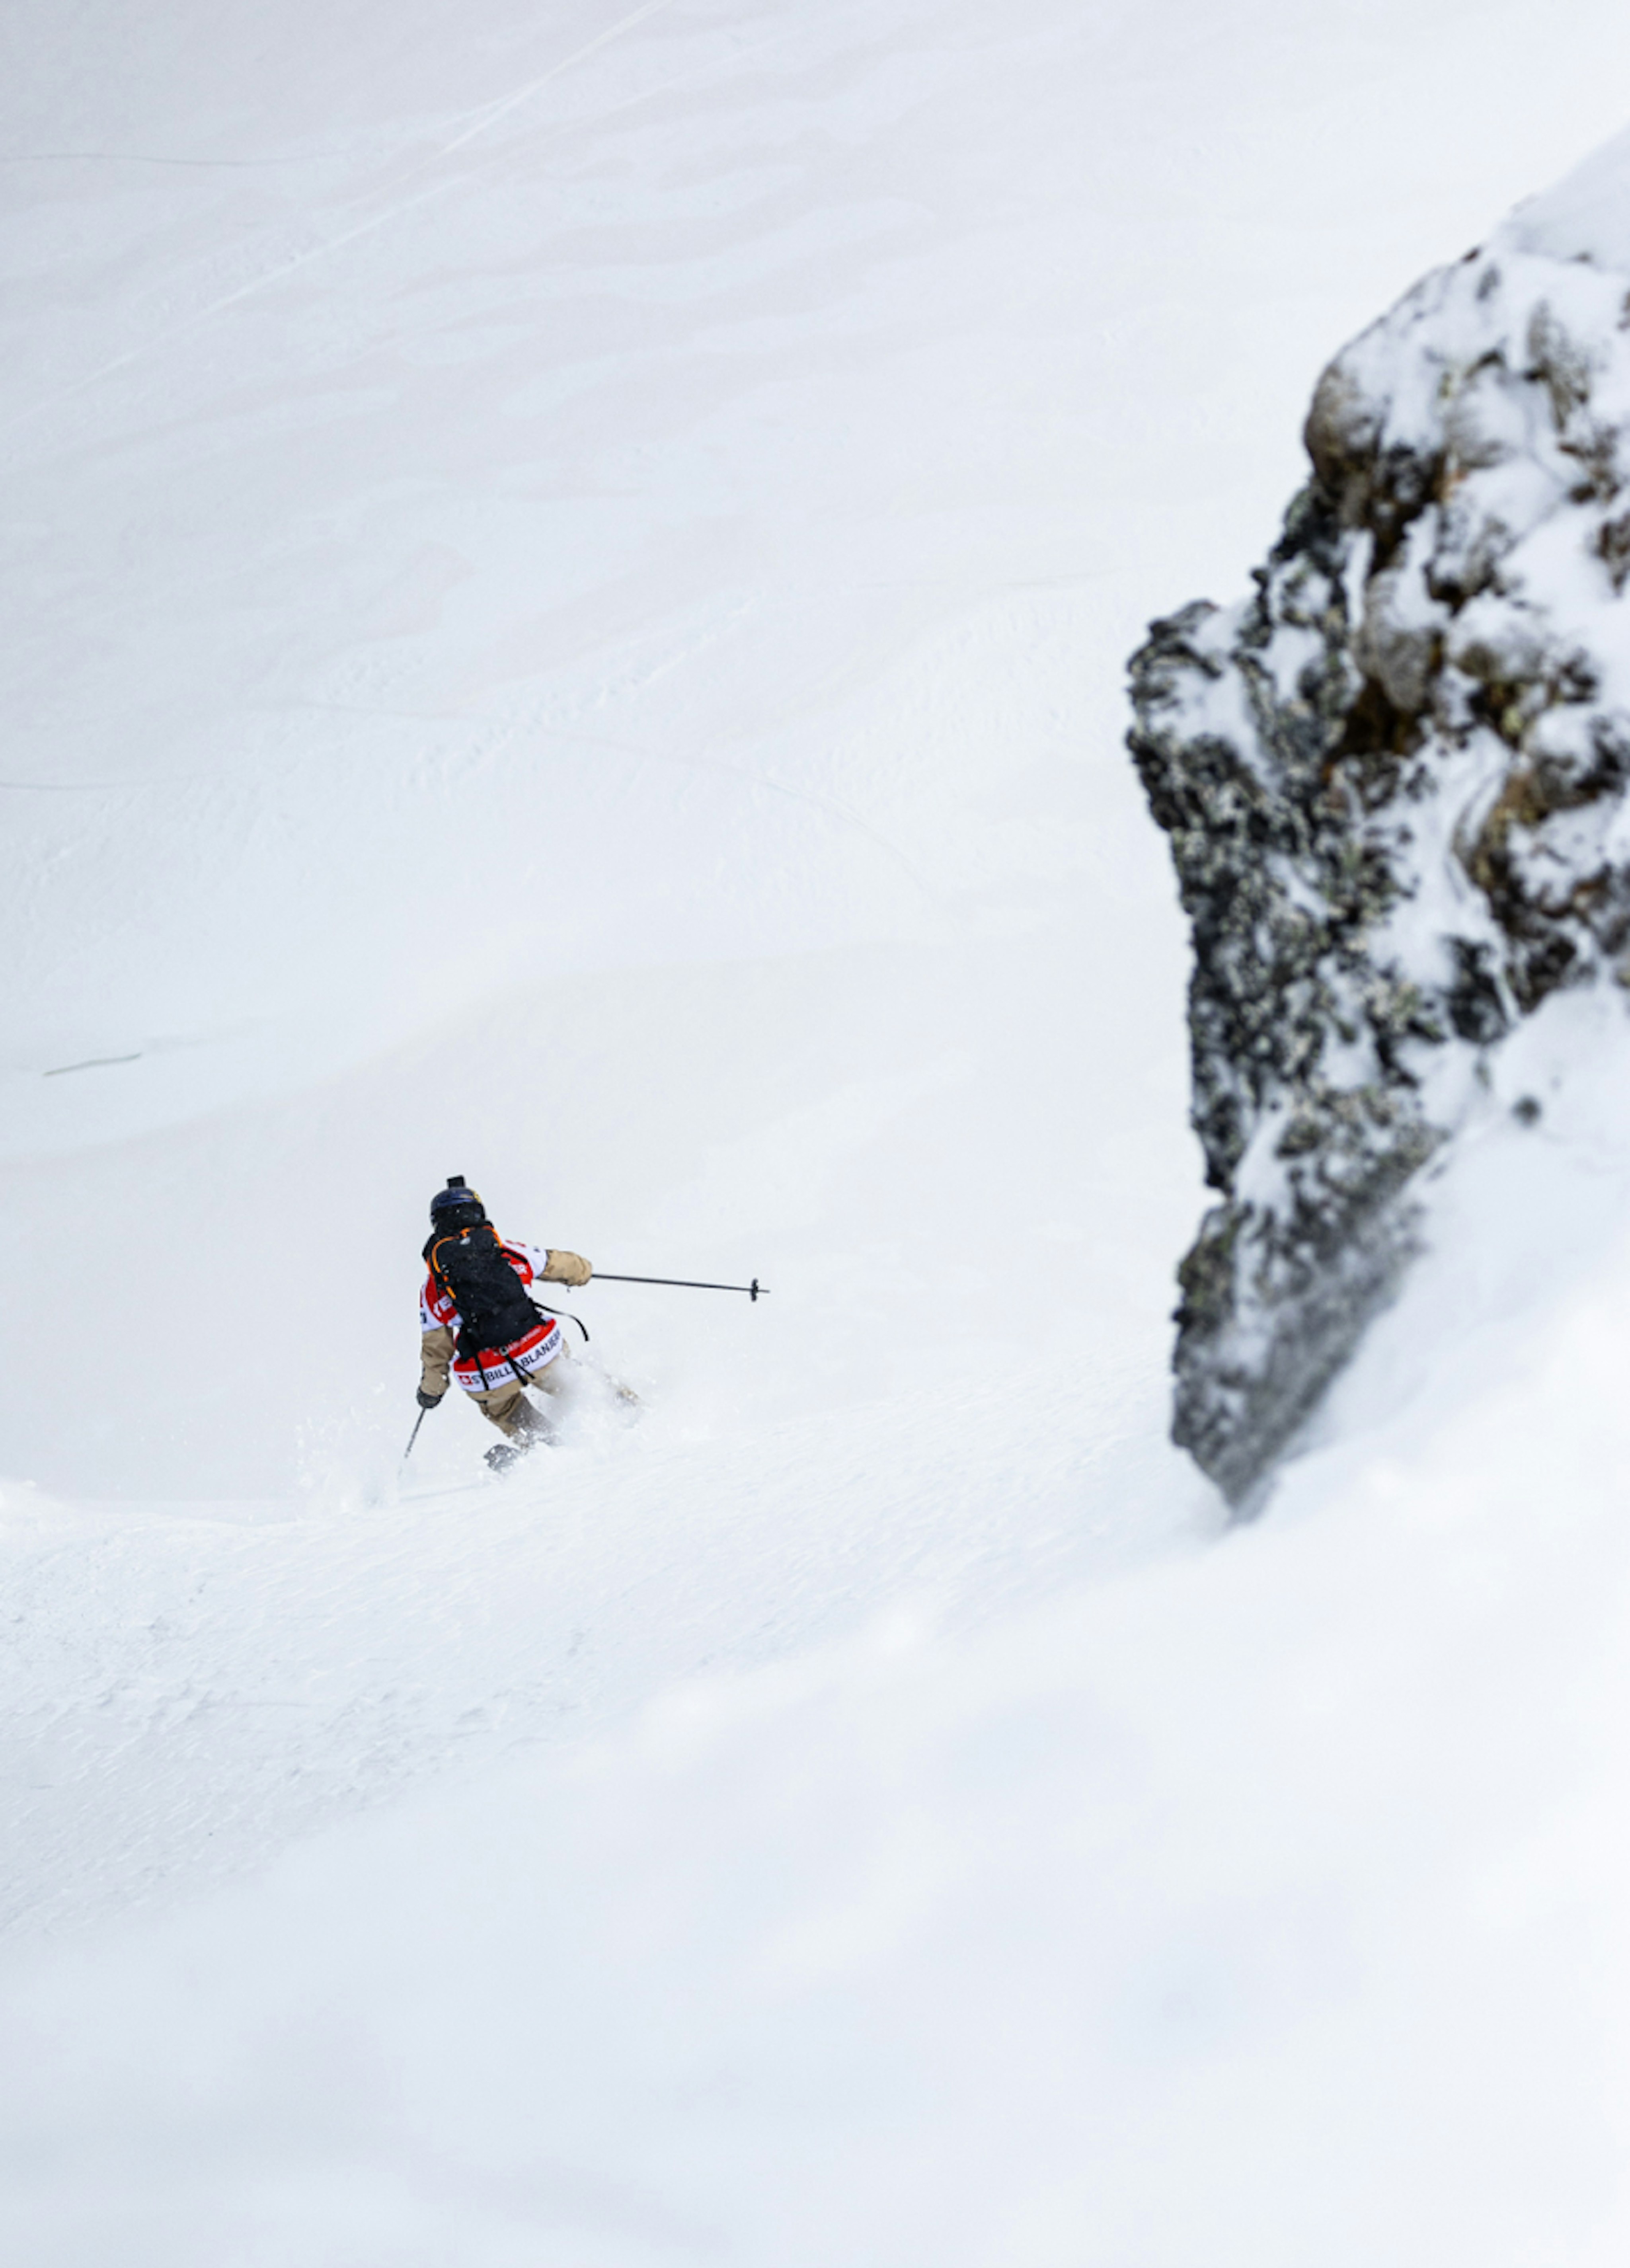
x: 567, y: 1268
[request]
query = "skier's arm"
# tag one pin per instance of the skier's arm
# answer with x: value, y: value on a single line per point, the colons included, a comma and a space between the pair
x: 566, y: 1268
x: 435, y: 1355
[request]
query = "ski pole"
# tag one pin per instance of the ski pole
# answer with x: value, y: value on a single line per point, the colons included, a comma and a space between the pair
x: 755, y: 1290
x: 414, y: 1435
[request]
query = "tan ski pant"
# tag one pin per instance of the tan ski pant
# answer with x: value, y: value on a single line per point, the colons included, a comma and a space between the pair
x: 506, y: 1406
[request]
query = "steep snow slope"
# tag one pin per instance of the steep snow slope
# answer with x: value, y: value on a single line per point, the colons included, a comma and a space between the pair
x: 1262, y: 1908
x: 569, y: 578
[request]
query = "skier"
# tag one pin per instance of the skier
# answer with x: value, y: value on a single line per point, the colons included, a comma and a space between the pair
x: 475, y: 1290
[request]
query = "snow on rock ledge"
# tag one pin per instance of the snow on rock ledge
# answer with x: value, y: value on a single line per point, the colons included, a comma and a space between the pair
x: 1396, y: 786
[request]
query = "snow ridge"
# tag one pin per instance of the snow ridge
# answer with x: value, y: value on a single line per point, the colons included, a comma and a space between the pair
x: 1394, y: 780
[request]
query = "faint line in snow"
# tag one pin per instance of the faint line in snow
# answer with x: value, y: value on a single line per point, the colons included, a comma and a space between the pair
x: 63, y: 787
x: 135, y: 158
x: 492, y: 112
x: 91, y: 1062
x: 101, y: 787
x: 367, y: 708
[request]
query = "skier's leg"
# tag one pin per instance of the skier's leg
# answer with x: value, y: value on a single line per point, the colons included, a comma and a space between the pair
x: 552, y: 1378
x: 507, y: 1408
x: 531, y: 1423
x: 502, y: 1406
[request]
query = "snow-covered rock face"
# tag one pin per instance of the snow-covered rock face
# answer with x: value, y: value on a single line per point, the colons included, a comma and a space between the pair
x: 1394, y: 782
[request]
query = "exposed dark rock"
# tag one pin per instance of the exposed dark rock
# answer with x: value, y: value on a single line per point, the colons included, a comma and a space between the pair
x: 1395, y: 782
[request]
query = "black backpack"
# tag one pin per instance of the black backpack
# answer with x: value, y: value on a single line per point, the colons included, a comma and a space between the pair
x: 494, y: 1310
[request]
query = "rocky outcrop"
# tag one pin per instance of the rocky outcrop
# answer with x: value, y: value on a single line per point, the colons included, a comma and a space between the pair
x: 1394, y: 782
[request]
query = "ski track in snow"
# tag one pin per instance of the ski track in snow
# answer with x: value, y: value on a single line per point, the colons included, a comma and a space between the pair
x: 569, y: 626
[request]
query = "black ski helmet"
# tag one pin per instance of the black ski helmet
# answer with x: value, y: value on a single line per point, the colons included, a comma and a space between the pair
x: 457, y: 1206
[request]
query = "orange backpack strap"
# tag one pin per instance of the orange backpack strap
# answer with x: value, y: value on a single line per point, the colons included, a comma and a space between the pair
x: 436, y: 1275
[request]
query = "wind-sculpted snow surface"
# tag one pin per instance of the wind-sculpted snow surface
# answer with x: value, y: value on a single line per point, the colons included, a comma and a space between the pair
x: 1394, y: 782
